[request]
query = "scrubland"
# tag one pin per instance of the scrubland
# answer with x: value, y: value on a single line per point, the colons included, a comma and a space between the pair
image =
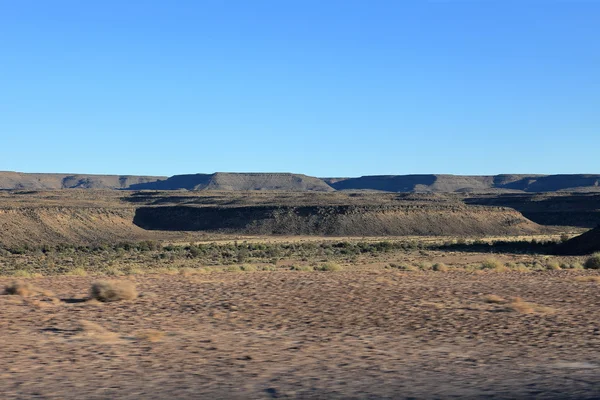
x: 325, y: 318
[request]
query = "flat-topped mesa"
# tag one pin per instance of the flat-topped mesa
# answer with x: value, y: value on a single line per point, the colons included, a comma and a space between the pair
x: 469, y: 183
x: 228, y: 181
x: 25, y: 181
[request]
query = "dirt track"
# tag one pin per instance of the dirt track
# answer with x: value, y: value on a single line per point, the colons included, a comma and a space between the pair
x: 348, y: 334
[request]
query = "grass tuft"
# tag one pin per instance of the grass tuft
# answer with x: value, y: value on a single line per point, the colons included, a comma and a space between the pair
x: 524, y: 307
x: 329, y: 267
x: 150, y: 335
x: 494, y: 299
x: 109, y: 291
x: 440, y: 267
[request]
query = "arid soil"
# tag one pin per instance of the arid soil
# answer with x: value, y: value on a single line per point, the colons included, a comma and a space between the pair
x: 288, y: 334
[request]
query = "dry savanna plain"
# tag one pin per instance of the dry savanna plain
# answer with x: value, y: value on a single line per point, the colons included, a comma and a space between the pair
x: 339, y: 295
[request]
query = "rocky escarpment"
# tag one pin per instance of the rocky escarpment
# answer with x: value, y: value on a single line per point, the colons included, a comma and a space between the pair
x: 337, y: 220
x: 74, y: 225
x: 565, y: 209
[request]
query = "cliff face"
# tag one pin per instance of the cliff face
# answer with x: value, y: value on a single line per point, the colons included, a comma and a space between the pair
x: 337, y: 220
x: 55, y: 225
x: 108, y: 216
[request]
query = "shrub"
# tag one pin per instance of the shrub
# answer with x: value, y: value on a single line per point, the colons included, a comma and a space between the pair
x: 109, y: 291
x: 494, y: 299
x: 492, y: 263
x: 520, y: 267
x: 329, y: 267
x: 440, y: 267
x: 425, y: 266
x: 553, y: 266
x: 593, y: 262
x: 17, y: 288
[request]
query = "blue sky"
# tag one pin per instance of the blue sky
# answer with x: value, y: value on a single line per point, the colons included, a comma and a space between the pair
x: 323, y: 87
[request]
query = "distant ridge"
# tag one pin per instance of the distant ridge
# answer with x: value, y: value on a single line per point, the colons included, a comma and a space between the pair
x: 25, y: 181
x: 239, y: 181
x: 226, y: 181
x: 467, y: 183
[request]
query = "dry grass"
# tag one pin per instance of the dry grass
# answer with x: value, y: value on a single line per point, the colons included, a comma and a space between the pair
x: 329, y: 267
x: 23, y: 289
x: 494, y: 299
x: 109, y: 291
x: 491, y: 264
x: 524, y: 307
x: 187, y: 271
x: 77, y: 272
x: 150, y: 335
x: 91, y: 330
x: 553, y: 266
x: 595, y: 279
x: 440, y: 267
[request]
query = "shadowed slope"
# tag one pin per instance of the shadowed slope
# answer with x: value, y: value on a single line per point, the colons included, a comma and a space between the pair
x: 587, y: 243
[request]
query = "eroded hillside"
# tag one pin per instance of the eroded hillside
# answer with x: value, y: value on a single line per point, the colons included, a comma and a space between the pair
x: 100, y: 216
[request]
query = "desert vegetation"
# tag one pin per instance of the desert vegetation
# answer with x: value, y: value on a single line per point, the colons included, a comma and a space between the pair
x: 198, y: 308
x: 133, y: 258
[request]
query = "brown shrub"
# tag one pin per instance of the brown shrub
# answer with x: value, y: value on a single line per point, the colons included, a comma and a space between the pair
x: 108, y: 291
x: 492, y: 264
x: 22, y: 289
x: 492, y: 298
x: 553, y: 266
x: 440, y: 267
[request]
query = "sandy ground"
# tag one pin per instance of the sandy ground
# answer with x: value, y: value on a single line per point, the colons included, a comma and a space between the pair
x: 350, y: 334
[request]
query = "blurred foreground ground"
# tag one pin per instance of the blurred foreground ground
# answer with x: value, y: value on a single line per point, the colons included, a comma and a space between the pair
x: 290, y: 334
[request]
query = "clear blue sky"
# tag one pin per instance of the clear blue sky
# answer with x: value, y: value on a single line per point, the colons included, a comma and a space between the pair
x: 322, y: 87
